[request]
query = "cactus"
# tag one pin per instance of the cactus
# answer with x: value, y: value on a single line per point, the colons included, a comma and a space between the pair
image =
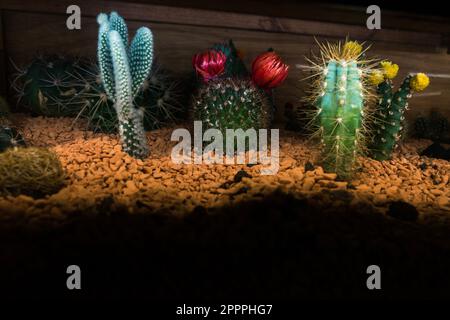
x: 226, y: 101
x: 10, y: 138
x: 123, y: 71
x: 338, y: 93
x: 232, y: 104
x: 160, y: 98
x: 234, y: 66
x: 391, y: 106
x: 45, y: 86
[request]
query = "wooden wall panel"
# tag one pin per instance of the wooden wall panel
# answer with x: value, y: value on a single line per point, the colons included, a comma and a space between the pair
x: 175, y: 43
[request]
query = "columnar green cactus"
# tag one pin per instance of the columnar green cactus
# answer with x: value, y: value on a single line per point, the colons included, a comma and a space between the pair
x: 338, y: 94
x: 340, y: 117
x: 123, y: 71
x: 389, y: 123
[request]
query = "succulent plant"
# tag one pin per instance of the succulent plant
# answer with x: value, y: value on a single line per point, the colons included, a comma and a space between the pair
x: 161, y: 98
x: 45, y: 86
x: 227, y: 101
x: 10, y: 138
x: 234, y: 66
x: 338, y: 92
x: 123, y: 70
x: 388, y: 125
x: 36, y: 172
x: 232, y: 104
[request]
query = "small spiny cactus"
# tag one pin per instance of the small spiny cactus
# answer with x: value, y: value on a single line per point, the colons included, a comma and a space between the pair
x: 389, y: 122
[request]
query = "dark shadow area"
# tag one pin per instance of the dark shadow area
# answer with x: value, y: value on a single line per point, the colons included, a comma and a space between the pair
x: 278, y: 248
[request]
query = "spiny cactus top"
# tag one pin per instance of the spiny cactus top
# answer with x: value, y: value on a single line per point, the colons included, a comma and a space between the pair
x: 123, y: 70
x: 338, y: 92
x: 389, y: 112
x: 234, y: 66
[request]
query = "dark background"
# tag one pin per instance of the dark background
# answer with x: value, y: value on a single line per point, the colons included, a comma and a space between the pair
x: 283, y: 7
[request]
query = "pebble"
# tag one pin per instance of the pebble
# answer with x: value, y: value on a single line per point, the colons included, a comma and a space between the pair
x: 97, y: 169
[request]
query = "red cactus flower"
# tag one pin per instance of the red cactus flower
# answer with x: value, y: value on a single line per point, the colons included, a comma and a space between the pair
x: 209, y: 64
x: 268, y: 71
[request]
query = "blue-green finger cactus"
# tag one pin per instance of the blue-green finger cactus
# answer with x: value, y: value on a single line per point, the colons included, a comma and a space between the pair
x: 123, y: 70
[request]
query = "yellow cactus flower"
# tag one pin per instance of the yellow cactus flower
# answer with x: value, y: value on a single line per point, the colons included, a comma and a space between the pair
x: 352, y: 49
x: 419, y: 82
x: 376, y: 77
x: 390, y: 69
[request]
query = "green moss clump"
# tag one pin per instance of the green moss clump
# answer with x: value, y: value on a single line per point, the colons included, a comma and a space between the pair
x: 35, y: 172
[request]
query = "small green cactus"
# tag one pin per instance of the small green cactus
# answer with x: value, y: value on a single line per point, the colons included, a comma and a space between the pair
x: 388, y: 125
x: 35, y: 172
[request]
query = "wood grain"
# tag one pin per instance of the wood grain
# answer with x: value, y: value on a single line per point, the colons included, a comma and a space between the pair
x: 208, y: 18
x: 175, y: 43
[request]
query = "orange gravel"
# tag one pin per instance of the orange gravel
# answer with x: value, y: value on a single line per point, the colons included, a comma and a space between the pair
x: 100, y: 175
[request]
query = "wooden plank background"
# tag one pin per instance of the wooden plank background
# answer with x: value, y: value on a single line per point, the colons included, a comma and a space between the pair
x: 180, y: 32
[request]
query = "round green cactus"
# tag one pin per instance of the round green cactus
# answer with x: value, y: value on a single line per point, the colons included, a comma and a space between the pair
x: 232, y: 104
x: 46, y: 86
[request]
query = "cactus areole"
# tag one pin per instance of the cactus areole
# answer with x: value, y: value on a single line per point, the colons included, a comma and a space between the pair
x: 124, y: 69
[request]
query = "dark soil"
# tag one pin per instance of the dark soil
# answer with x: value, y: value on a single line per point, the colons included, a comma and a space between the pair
x: 277, y: 248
